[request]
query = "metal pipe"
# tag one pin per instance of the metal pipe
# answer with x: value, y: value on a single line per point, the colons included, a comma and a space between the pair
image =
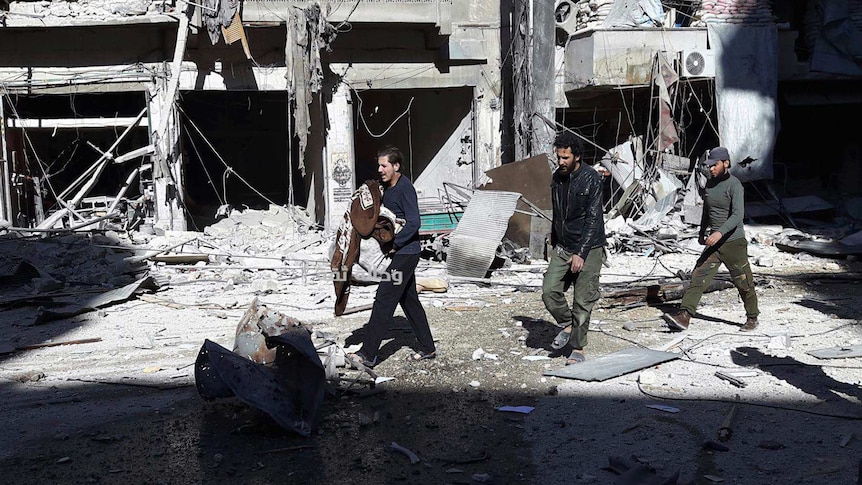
x: 89, y: 222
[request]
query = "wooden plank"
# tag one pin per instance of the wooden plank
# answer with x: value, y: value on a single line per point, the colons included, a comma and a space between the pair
x: 62, y: 123
x: 8, y: 349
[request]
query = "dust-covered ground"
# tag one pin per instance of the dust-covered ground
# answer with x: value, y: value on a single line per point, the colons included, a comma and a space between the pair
x: 124, y: 409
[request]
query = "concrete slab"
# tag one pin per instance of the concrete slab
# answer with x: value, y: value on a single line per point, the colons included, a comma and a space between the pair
x: 842, y: 352
x: 613, y: 365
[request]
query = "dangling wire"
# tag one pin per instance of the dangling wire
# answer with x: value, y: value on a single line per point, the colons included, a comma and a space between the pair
x: 203, y: 165
x: 45, y: 175
x: 362, y: 117
x: 410, y: 138
x: 224, y: 176
x: 229, y: 169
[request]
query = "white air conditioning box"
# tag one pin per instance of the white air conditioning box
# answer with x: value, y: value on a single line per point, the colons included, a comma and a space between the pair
x: 566, y: 15
x: 697, y: 63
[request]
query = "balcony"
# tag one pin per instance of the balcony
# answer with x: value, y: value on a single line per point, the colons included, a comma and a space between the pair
x: 433, y: 12
x: 612, y: 57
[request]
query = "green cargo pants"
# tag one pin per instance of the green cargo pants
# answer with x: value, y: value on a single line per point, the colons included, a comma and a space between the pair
x: 558, y: 279
x: 734, y: 255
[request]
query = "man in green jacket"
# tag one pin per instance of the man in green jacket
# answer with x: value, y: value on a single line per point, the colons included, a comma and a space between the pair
x: 722, y: 232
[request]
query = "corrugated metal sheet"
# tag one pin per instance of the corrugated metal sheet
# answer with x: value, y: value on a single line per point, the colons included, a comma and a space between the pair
x: 613, y: 365
x: 473, y: 243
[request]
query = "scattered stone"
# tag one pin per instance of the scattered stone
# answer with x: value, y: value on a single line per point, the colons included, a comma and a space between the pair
x: 30, y: 376
x: 44, y: 285
x: 764, y: 262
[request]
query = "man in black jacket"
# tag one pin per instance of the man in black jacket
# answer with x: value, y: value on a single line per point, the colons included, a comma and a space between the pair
x: 578, y: 240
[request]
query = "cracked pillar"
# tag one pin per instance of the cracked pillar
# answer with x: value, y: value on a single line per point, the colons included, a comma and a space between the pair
x: 339, y: 162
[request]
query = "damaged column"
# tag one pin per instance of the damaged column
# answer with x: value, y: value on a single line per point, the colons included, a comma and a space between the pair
x: 339, y: 164
x: 167, y: 176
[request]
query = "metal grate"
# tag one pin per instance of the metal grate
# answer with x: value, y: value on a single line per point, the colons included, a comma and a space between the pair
x: 473, y: 243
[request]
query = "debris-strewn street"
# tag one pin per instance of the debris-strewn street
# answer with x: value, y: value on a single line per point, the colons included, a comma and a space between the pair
x: 200, y: 200
x: 108, y: 394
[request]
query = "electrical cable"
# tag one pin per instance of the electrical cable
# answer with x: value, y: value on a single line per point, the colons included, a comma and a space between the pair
x: 227, y: 167
x: 32, y: 148
x: 203, y: 166
x: 728, y: 401
x: 346, y: 20
x: 362, y: 117
x: 708, y: 114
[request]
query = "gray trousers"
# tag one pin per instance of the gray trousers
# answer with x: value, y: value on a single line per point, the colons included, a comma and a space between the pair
x: 558, y: 279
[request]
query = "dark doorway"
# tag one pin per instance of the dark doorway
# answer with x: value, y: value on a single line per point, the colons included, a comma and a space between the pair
x: 236, y: 151
x: 50, y: 145
x: 417, y: 121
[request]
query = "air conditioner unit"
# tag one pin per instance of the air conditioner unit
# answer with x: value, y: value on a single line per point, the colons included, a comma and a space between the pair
x: 566, y: 15
x: 697, y: 63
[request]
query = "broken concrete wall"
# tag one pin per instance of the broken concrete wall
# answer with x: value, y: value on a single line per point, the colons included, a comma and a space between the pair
x: 586, y: 14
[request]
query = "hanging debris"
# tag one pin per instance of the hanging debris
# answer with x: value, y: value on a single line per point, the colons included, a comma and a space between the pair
x: 308, y: 33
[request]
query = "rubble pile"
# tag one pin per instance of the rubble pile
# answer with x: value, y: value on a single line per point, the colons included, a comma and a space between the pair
x: 592, y: 13
x: 79, y: 259
x: 84, y: 9
x: 261, y: 248
x: 271, y: 235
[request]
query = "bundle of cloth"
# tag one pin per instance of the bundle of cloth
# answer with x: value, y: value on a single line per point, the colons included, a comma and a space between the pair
x: 365, y: 217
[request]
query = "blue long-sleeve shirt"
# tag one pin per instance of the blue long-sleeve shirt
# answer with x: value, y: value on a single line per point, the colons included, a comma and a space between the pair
x: 401, y: 199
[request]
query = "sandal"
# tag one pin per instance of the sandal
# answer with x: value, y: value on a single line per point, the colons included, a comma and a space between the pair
x: 422, y: 355
x: 358, y: 359
x: 576, y: 357
x: 562, y: 339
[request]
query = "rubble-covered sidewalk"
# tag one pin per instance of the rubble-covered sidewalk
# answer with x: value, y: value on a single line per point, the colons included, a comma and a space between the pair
x: 109, y: 392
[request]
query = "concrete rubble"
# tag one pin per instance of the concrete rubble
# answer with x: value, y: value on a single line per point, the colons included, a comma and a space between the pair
x: 279, y: 259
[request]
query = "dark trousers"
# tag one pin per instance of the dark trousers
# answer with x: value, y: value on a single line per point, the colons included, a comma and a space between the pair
x: 734, y: 255
x: 398, y: 287
x: 559, y: 277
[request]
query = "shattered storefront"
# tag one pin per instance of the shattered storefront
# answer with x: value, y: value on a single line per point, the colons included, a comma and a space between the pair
x: 652, y: 85
x: 190, y: 111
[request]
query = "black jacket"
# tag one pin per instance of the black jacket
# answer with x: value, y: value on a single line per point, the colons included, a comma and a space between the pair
x: 582, y: 227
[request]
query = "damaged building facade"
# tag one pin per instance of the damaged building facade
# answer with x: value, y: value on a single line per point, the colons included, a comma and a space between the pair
x: 186, y: 110
x: 654, y: 84
x: 177, y: 111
